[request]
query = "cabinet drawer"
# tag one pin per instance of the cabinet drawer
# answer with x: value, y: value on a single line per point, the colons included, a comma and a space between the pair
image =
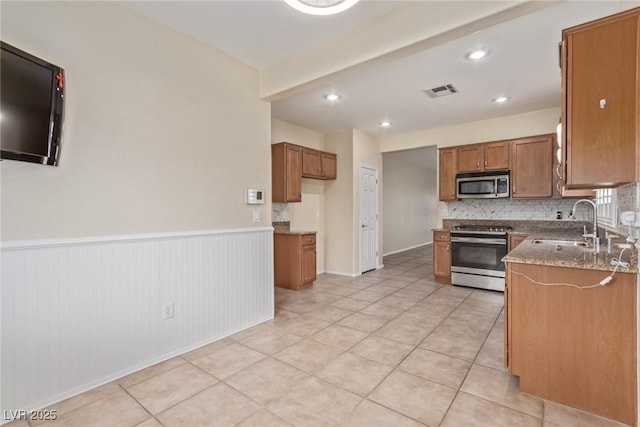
x: 308, y: 240
x: 441, y: 236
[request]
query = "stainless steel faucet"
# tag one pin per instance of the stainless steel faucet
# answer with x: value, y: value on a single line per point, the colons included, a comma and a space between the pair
x: 594, y: 234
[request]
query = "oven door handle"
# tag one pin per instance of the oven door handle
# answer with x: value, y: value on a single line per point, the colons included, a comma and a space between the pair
x: 478, y: 240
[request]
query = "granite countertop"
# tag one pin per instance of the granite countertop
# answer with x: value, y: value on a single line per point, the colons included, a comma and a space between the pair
x: 522, y: 226
x: 299, y: 232
x: 567, y: 256
x: 284, y: 227
x: 586, y: 258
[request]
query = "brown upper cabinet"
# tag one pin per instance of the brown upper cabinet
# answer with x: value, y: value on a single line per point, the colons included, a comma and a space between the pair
x: 531, y: 167
x: 318, y: 164
x: 286, y: 173
x: 290, y: 162
x: 529, y: 160
x: 447, y: 175
x: 483, y: 157
x: 600, y: 109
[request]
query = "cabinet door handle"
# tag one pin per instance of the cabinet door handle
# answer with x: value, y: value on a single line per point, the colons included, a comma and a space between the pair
x: 485, y: 163
x: 478, y: 164
x: 514, y: 189
x: 603, y: 103
x: 448, y: 248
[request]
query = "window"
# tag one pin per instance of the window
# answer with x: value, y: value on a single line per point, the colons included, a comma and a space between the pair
x: 606, y: 206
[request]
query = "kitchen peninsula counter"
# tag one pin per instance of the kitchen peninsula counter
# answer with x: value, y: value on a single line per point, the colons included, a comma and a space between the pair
x: 578, y: 257
x: 570, y: 325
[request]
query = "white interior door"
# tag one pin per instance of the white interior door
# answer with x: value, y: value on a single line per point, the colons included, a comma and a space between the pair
x: 368, y: 219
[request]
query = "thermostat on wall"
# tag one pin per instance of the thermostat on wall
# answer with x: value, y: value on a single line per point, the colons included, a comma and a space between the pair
x: 255, y: 196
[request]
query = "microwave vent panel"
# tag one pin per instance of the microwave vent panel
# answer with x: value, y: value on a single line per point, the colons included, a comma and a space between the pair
x: 440, y: 91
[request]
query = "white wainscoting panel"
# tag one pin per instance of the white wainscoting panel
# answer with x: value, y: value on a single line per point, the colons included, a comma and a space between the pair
x: 79, y: 313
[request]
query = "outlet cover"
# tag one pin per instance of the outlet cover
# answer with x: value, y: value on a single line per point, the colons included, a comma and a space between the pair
x: 168, y: 311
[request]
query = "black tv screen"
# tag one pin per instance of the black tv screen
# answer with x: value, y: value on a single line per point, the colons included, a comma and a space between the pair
x: 31, y: 107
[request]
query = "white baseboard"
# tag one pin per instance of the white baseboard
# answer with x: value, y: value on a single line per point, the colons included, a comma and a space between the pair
x: 409, y: 248
x: 341, y: 273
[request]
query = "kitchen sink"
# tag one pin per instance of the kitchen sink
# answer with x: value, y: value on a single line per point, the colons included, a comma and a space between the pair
x: 580, y: 243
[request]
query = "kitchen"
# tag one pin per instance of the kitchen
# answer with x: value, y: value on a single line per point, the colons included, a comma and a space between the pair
x: 539, y: 184
x: 395, y: 316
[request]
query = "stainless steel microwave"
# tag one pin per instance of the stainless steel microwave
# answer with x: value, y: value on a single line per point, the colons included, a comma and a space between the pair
x: 482, y: 185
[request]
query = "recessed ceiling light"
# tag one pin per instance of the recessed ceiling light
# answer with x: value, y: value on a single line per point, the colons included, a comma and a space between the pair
x: 321, y: 7
x: 385, y: 123
x: 500, y: 99
x: 332, y: 97
x: 477, y: 54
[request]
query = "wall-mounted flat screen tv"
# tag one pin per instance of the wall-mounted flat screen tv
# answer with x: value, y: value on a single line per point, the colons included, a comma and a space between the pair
x: 31, y: 107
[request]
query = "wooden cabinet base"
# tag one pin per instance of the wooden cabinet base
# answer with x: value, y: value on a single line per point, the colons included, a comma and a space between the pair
x: 442, y: 256
x: 443, y: 280
x: 294, y: 287
x: 574, y: 346
x: 294, y: 260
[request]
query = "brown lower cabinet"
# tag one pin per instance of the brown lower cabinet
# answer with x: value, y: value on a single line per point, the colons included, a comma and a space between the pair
x: 514, y: 239
x: 442, y: 256
x: 294, y: 260
x: 573, y: 346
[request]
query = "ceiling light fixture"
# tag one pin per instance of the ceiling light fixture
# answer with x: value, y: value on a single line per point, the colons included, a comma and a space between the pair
x: 321, y: 7
x: 500, y: 99
x: 385, y: 124
x: 332, y: 97
x: 477, y: 54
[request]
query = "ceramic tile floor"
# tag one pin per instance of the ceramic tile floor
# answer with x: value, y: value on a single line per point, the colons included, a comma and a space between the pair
x: 389, y: 348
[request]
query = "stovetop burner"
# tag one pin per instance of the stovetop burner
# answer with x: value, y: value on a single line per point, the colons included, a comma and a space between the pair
x: 493, y: 228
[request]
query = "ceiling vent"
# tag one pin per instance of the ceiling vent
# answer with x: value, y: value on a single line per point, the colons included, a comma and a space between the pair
x: 441, y: 91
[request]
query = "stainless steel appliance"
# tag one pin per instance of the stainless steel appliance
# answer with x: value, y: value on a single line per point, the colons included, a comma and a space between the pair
x: 476, y: 256
x: 482, y: 185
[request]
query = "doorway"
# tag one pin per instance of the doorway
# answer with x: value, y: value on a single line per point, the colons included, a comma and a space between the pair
x: 368, y: 219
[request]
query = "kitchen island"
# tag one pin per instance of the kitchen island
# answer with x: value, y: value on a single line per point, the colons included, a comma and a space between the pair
x: 569, y: 338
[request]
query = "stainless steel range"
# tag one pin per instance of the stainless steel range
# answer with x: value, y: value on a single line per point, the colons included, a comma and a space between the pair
x: 476, y: 256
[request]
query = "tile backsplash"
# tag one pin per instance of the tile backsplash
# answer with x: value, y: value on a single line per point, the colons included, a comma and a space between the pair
x: 627, y: 198
x: 279, y: 212
x: 543, y: 209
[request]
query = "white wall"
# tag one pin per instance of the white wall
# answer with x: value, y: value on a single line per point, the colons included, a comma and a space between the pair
x: 161, y: 134
x: 505, y: 127
x: 308, y: 214
x: 410, y: 200
x: 339, y: 207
